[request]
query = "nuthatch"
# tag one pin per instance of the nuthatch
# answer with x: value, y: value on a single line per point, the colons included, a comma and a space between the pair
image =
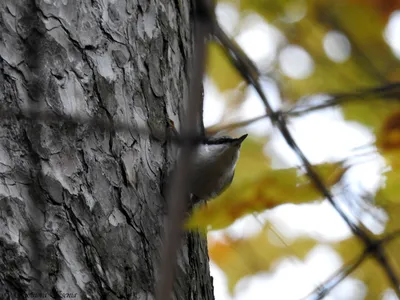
x: 214, y: 163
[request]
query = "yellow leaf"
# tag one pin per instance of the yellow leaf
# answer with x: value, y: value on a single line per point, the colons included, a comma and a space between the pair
x: 390, y: 191
x: 252, y: 162
x: 392, y: 210
x: 370, y: 272
x: 349, y: 249
x: 370, y: 61
x: 220, y: 69
x: 389, y: 137
x: 370, y: 112
x: 384, y: 8
x: 388, y: 143
x: 272, y: 10
x: 242, y: 257
x: 392, y: 250
x: 307, y: 23
x: 248, y: 256
x: 271, y: 188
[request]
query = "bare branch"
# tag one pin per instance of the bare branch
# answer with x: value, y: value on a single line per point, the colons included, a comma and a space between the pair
x: 322, y: 290
x: 214, y: 129
x: 379, y: 255
x: 391, y: 236
x: 387, y: 91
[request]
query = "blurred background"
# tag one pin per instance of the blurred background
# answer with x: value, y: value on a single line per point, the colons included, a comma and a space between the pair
x: 309, y: 52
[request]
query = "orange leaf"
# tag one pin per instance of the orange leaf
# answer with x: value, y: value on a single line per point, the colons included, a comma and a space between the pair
x: 385, y: 8
x: 389, y: 137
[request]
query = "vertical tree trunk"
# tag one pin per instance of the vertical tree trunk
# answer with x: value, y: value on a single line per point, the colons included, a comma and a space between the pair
x: 81, y: 208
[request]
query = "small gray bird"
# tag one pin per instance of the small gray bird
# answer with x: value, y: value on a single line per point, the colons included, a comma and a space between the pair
x: 214, y: 165
x: 214, y: 162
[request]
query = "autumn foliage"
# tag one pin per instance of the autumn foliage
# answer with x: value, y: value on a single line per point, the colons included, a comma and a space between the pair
x: 363, y: 86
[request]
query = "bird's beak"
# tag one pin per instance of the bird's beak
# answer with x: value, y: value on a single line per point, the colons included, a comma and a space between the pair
x: 238, y: 141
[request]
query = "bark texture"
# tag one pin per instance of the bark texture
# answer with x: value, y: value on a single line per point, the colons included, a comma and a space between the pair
x: 81, y: 209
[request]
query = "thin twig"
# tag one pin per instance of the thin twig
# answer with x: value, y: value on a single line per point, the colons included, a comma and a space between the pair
x: 391, y: 90
x: 375, y: 250
x: 53, y: 118
x: 214, y: 129
x: 322, y: 290
x: 391, y: 236
x: 379, y: 255
x: 178, y: 194
x: 96, y: 123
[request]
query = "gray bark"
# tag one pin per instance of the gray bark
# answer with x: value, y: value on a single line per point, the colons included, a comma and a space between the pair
x: 81, y: 208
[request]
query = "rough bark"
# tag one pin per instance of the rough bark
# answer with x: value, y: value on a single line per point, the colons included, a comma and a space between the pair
x: 81, y: 208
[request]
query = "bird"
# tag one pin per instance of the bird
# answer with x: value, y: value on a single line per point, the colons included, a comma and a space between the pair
x: 213, y: 166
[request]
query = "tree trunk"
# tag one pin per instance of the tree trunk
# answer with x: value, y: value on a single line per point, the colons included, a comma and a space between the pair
x: 81, y: 209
